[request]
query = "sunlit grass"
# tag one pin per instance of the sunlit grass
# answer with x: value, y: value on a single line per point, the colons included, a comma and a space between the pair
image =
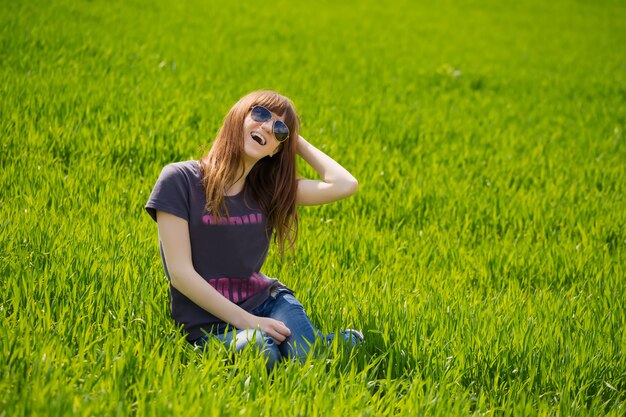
x: 483, y: 255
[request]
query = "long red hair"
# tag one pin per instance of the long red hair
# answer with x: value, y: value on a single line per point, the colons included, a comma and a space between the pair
x: 271, y: 182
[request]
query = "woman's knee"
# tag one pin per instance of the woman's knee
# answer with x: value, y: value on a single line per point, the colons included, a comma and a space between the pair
x: 261, y: 341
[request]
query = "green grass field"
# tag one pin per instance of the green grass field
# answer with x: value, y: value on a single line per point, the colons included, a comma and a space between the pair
x: 484, y: 255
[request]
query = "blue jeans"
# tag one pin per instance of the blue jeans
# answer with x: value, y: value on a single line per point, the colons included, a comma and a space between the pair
x: 283, y: 306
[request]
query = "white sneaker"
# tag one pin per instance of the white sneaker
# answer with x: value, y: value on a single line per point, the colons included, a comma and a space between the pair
x: 357, y: 336
x: 349, y: 335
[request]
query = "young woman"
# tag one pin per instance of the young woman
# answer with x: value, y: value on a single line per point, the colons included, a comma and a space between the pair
x: 215, y: 218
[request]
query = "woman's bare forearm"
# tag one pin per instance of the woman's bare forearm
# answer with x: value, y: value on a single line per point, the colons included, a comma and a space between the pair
x: 194, y: 287
x: 336, y: 183
x: 329, y: 170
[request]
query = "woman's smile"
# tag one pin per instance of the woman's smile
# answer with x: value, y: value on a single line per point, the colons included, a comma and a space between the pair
x: 258, y: 137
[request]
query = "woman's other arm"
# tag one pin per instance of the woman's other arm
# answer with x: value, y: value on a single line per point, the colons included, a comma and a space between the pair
x: 174, y: 235
x: 336, y: 183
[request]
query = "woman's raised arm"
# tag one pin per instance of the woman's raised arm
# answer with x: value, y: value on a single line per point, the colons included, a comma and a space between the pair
x: 336, y: 183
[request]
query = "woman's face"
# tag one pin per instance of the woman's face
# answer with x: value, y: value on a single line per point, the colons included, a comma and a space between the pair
x: 258, y: 138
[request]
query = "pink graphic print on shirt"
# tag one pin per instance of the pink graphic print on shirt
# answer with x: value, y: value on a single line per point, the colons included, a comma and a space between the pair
x: 252, y: 218
x: 239, y: 290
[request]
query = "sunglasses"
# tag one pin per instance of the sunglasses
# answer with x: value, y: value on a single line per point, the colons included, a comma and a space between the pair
x: 261, y: 114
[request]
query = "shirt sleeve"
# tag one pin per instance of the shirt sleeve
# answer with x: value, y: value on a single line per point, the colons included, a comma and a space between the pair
x: 170, y: 193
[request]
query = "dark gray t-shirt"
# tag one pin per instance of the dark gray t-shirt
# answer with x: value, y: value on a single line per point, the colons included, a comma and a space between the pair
x: 228, y: 254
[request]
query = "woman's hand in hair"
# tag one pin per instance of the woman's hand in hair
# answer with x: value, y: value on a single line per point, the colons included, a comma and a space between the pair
x: 273, y: 328
x: 336, y: 182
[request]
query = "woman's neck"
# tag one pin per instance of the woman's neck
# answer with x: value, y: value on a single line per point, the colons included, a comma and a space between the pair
x: 238, y: 185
